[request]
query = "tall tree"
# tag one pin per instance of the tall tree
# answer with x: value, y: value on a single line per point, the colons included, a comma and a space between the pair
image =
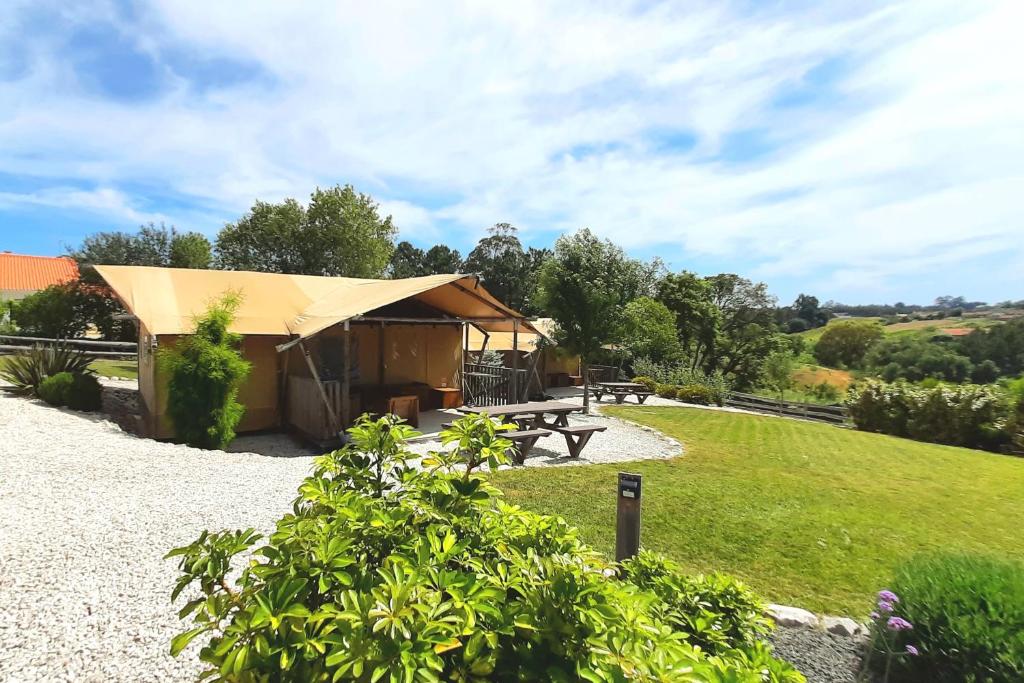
x: 152, y: 245
x: 746, y: 333
x: 583, y: 287
x: 341, y: 233
x: 698, y: 319
x: 441, y: 259
x: 499, y: 260
x: 407, y: 261
x: 807, y: 308
x: 649, y: 331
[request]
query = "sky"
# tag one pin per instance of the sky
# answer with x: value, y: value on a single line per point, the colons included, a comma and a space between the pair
x: 859, y: 151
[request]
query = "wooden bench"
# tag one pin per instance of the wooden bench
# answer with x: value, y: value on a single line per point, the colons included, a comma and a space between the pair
x: 524, y: 440
x: 577, y: 436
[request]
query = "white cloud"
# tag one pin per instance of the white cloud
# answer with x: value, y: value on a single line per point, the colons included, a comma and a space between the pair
x: 911, y: 149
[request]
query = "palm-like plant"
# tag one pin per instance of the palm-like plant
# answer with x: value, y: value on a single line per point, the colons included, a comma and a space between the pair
x: 27, y: 370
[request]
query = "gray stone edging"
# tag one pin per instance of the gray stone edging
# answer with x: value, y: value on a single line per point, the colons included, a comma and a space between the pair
x: 794, y: 617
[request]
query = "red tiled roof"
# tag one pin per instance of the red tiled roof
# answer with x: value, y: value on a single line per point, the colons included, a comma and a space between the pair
x: 31, y: 273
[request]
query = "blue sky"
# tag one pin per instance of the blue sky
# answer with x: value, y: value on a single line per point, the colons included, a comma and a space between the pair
x: 858, y: 151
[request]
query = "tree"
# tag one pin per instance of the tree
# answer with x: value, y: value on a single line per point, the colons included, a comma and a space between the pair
x: 915, y: 359
x: 746, y: 332
x: 407, y: 261
x: 582, y: 287
x: 500, y: 262
x: 698, y: 319
x: 190, y: 250
x: 648, y: 330
x: 777, y: 372
x: 340, y: 233
x: 441, y: 259
x: 152, y: 245
x: 846, y: 342
x: 68, y: 310
x: 807, y: 308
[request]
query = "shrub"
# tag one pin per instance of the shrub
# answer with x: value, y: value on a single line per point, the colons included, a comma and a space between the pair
x: 86, y: 393
x: 962, y: 415
x: 27, y: 370
x: 56, y: 389
x: 968, y: 617
x: 646, y: 381
x: 206, y: 368
x: 695, y: 393
x: 666, y: 390
x: 681, y: 374
x: 386, y: 571
x: 825, y: 392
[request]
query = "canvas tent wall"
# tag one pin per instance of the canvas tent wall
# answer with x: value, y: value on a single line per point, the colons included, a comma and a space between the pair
x: 279, y: 313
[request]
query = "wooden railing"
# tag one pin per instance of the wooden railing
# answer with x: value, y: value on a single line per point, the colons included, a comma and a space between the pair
x: 489, y: 385
x: 807, y: 411
x: 93, y: 347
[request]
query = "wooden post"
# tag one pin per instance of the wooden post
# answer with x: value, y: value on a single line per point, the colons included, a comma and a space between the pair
x: 380, y: 354
x: 462, y: 360
x: 515, y: 360
x: 627, y: 516
x: 346, y: 380
x: 319, y: 385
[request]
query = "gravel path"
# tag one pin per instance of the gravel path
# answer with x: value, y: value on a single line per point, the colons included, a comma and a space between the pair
x: 86, y: 515
x: 819, y: 655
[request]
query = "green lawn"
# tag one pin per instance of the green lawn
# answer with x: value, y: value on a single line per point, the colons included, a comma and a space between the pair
x: 127, y: 369
x: 807, y: 514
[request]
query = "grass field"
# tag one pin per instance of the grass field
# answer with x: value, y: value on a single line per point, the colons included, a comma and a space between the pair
x: 807, y: 514
x: 127, y: 369
x: 926, y: 328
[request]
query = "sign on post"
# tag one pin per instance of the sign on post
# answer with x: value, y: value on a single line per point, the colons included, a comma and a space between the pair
x: 627, y: 517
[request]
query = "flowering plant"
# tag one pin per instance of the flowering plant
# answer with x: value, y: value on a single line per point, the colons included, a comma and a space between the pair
x: 886, y: 635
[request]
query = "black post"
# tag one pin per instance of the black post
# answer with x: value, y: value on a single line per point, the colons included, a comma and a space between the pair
x: 627, y: 518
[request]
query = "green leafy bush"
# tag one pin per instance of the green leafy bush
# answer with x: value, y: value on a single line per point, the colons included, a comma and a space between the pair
x: 56, y: 389
x: 717, y: 612
x: 695, y: 393
x: 824, y: 391
x: 386, y: 571
x: 844, y: 343
x: 646, y: 381
x: 681, y: 374
x: 666, y: 390
x: 206, y: 368
x: 27, y: 370
x: 961, y: 415
x: 86, y: 393
x: 968, y: 619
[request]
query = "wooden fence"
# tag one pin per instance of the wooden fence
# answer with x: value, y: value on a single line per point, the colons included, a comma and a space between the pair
x: 94, y: 347
x: 489, y: 385
x: 808, y: 411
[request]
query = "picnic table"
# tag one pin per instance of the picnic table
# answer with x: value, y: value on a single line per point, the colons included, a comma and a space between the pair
x: 529, y: 415
x: 620, y: 390
x: 529, y: 418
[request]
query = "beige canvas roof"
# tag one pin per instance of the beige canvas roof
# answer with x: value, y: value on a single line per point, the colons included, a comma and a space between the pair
x: 502, y: 341
x: 166, y: 300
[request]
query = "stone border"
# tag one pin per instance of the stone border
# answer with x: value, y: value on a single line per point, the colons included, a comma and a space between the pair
x: 794, y: 617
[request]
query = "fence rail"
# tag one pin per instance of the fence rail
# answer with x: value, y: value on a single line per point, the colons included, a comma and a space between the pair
x: 93, y: 347
x: 807, y: 411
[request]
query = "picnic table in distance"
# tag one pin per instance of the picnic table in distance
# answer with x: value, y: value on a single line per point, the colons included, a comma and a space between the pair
x: 620, y: 390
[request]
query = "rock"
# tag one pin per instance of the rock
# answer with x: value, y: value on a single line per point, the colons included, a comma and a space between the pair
x: 792, y: 617
x: 842, y: 626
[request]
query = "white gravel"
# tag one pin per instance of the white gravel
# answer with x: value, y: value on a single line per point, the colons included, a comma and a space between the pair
x: 86, y: 515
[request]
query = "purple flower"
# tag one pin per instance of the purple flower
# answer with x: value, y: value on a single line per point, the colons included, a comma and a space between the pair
x: 885, y: 606
x: 888, y: 596
x: 898, y: 624
x: 875, y: 615
x: 911, y: 650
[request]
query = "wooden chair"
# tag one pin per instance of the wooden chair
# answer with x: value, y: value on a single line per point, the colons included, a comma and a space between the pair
x: 407, y: 407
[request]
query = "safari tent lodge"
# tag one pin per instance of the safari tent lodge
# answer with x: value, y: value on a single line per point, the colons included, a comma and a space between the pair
x: 323, y: 349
